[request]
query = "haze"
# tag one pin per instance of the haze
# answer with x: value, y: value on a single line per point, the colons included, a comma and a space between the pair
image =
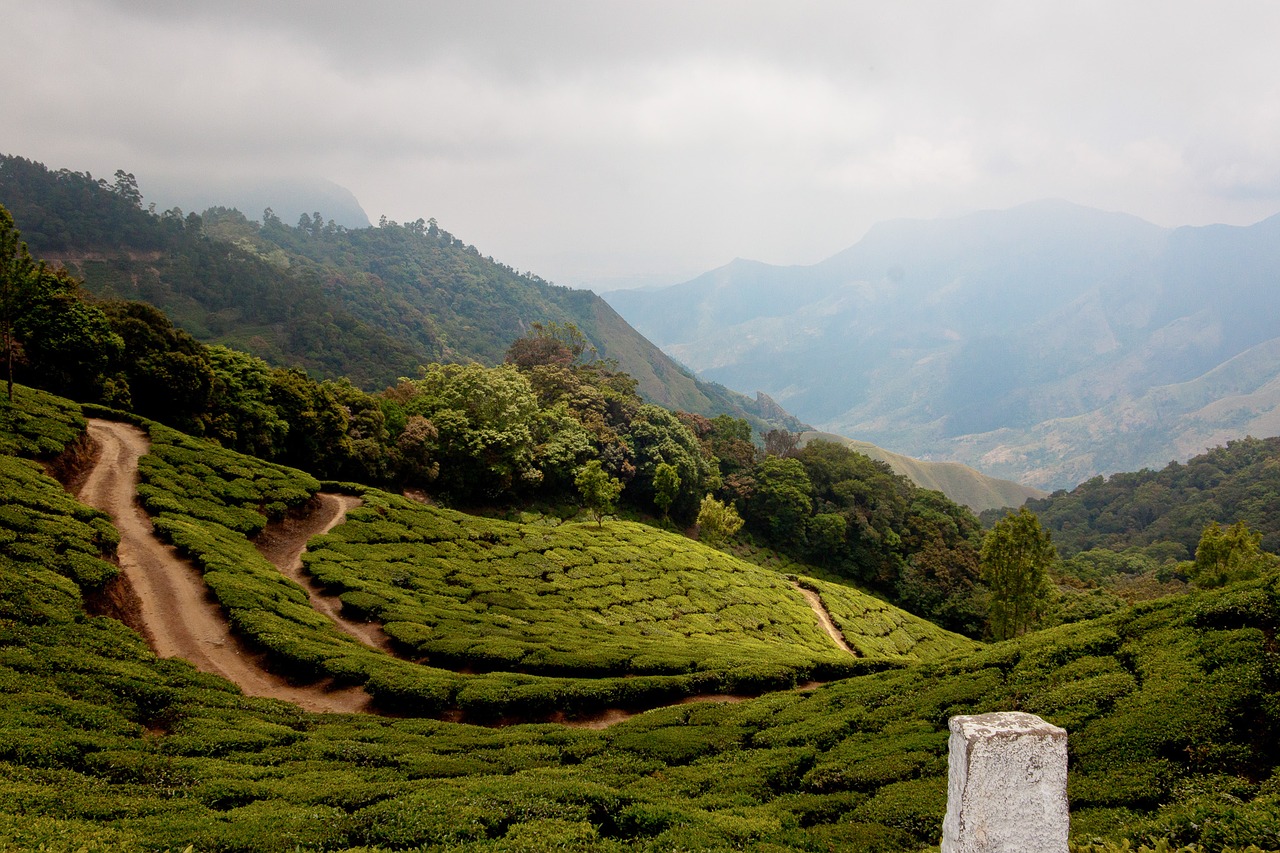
x: 602, y: 144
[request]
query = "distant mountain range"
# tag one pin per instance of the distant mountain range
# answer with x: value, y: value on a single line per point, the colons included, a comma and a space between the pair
x: 1047, y: 343
x: 959, y: 482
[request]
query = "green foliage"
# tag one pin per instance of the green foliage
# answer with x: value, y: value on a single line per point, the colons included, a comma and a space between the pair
x: 1171, y: 506
x: 570, y: 600
x: 657, y: 438
x: 1230, y: 554
x: 37, y: 424
x: 1016, y: 557
x: 717, y: 521
x: 599, y: 491
x: 833, y: 507
x: 666, y: 487
x: 781, y: 502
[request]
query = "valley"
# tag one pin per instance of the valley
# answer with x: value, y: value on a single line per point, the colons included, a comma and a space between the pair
x: 1044, y: 344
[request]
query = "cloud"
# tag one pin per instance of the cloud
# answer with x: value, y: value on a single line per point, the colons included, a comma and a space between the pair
x: 669, y: 136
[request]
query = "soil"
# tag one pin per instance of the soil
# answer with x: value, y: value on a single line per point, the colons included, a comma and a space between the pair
x: 174, y: 608
x: 284, y: 542
x: 824, y: 617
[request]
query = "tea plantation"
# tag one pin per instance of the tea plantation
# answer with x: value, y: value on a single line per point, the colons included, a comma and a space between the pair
x: 1171, y: 706
x: 571, y: 619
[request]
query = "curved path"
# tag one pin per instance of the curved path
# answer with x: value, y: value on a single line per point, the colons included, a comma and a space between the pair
x: 820, y: 610
x: 283, y: 543
x: 180, y: 617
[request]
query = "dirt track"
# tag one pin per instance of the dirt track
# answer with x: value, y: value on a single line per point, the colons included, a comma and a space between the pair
x: 824, y: 617
x: 283, y: 544
x: 179, y: 617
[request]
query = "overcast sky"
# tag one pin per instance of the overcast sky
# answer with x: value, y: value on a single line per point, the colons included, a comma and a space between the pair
x: 597, y: 142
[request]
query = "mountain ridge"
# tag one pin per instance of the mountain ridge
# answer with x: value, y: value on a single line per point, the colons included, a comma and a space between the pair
x: 964, y: 338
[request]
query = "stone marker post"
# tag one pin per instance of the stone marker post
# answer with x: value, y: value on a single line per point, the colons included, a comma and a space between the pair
x: 1007, y: 785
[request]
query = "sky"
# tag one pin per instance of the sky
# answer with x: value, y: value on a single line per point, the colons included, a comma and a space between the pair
x: 604, y: 144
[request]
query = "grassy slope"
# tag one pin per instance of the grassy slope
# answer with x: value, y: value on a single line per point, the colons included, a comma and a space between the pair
x: 962, y: 484
x: 1171, y: 709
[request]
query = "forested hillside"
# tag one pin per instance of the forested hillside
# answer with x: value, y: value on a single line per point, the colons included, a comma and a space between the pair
x: 1238, y: 482
x: 367, y: 304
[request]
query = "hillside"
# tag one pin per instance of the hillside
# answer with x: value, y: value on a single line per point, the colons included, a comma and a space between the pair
x: 960, y: 483
x: 1236, y: 482
x: 1045, y: 344
x: 103, y: 746
x: 369, y: 304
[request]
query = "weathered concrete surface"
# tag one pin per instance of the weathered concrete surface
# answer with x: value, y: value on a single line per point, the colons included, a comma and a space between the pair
x: 1007, y: 786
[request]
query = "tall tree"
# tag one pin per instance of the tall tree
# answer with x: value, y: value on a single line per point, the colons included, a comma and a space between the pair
x: 1228, y: 554
x: 1016, y: 556
x: 18, y: 273
x: 666, y: 486
x: 599, y: 491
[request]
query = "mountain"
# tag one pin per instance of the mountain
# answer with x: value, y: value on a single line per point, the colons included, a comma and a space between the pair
x: 371, y: 304
x: 960, y: 483
x: 1047, y: 343
x: 288, y: 198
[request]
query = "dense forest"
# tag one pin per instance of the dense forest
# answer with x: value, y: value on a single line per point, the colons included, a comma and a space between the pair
x: 1139, y: 534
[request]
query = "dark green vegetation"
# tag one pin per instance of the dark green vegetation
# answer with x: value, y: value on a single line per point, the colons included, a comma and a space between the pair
x: 851, y: 515
x: 1238, y: 482
x: 1136, y: 535
x: 1171, y: 708
x: 526, y: 430
x: 368, y: 304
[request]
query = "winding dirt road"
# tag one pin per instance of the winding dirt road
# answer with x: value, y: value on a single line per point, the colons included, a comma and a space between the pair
x: 283, y: 543
x: 180, y: 618
x: 820, y: 610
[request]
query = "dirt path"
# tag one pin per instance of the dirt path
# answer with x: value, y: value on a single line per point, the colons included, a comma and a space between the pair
x: 824, y: 617
x: 179, y: 617
x: 283, y: 543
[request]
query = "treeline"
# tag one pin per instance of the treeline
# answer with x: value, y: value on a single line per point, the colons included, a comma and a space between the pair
x: 1238, y: 482
x: 1150, y: 533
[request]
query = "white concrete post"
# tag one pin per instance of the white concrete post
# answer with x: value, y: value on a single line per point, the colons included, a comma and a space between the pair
x: 1007, y: 785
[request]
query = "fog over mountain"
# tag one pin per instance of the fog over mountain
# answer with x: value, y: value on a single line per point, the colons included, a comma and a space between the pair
x: 1046, y: 343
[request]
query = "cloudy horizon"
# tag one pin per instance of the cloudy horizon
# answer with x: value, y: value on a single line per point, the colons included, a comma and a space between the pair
x: 595, y: 143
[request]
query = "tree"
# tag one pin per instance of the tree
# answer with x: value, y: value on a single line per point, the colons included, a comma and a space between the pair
x: 657, y: 436
x: 666, y: 486
x: 782, y: 500
x: 18, y: 273
x: 1230, y: 554
x: 68, y: 346
x: 717, y: 521
x: 599, y: 491
x: 1016, y: 557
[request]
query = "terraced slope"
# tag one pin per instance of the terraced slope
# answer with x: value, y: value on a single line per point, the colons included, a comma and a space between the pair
x: 578, y: 599
x: 493, y: 619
